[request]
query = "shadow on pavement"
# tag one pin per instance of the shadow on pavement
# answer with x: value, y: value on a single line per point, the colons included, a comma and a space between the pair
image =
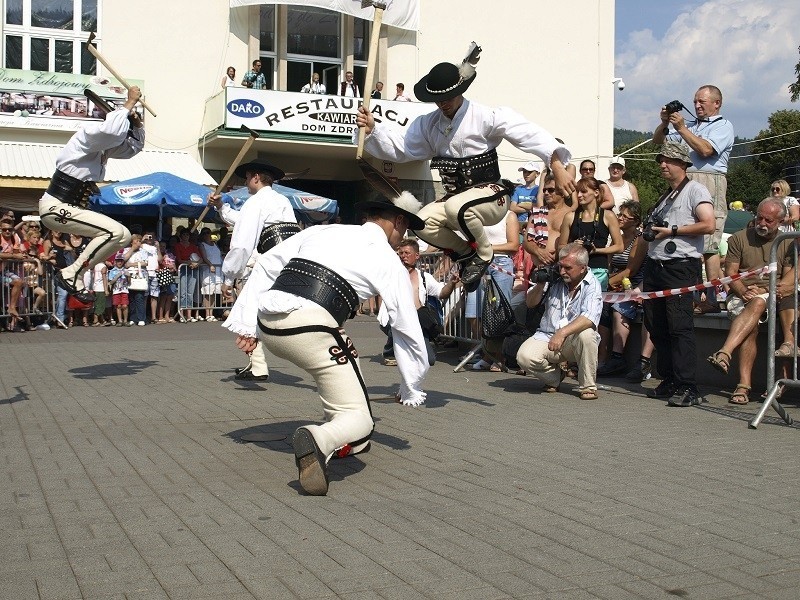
x: 18, y: 397
x: 120, y: 369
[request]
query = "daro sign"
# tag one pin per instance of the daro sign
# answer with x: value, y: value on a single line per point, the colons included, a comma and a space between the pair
x: 312, y: 114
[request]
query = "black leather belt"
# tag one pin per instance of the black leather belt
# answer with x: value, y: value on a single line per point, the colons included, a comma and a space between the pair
x: 274, y: 234
x: 319, y: 284
x: 460, y: 173
x: 71, y: 190
x: 674, y: 261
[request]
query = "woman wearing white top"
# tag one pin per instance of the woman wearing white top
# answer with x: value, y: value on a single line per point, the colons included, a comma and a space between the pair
x: 229, y: 80
x: 780, y: 189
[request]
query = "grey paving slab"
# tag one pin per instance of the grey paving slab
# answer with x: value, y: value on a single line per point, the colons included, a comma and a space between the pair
x: 123, y: 475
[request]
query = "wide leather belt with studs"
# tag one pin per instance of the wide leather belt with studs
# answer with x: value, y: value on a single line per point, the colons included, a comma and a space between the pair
x: 70, y: 190
x: 319, y: 284
x: 460, y: 173
x: 274, y: 234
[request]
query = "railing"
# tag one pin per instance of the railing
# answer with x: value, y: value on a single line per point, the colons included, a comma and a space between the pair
x: 776, y: 387
x: 23, y: 283
x: 196, y: 287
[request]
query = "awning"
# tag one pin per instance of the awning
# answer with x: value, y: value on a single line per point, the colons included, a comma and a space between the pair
x: 26, y: 168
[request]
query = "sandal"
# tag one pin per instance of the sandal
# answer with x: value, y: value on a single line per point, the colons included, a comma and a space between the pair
x: 738, y: 397
x: 781, y: 389
x: 720, y: 364
x: 786, y: 350
x: 552, y: 389
x: 589, y: 395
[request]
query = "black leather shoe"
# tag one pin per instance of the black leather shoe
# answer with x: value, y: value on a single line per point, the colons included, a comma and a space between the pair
x: 248, y: 376
x: 59, y: 280
x: 665, y: 389
x: 472, y: 273
x: 686, y: 397
x: 240, y: 370
x: 310, y: 462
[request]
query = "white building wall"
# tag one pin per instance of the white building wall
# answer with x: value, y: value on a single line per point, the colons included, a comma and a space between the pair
x: 553, y: 62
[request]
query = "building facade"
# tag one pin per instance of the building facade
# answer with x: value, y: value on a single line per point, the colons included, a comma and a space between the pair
x: 556, y: 69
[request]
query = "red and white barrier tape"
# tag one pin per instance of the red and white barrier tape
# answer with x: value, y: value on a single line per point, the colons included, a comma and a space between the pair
x: 630, y: 295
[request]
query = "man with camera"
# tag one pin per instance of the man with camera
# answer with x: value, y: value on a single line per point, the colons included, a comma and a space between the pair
x: 710, y: 138
x: 568, y: 329
x: 674, y: 233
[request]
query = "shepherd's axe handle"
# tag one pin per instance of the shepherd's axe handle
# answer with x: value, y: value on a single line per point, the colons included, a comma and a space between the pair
x: 236, y: 161
x: 373, y: 57
x: 96, y: 53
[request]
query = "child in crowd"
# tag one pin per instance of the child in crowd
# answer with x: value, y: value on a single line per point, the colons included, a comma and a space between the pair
x: 118, y: 281
x: 100, y: 289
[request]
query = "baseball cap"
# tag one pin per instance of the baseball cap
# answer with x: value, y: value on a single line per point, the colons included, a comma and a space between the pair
x: 674, y: 150
x: 618, y: 160
x: 530, y: 166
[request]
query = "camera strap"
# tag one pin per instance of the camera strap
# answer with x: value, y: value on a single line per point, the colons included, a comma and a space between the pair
x: 669, y: 196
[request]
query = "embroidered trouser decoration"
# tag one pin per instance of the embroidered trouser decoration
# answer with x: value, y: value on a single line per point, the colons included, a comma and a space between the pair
x: 469, y: 212
x: 311, y: 339
x: 107, y: 235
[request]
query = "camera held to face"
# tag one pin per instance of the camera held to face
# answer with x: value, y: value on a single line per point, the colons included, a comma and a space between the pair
x: 648, y: 234
x: 674, y: 106
x: 548, y: 274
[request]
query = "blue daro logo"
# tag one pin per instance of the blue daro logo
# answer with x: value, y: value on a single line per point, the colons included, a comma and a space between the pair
x: 247, y: 109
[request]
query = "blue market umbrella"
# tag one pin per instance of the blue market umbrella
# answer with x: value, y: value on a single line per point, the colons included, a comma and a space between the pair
x: 309, y: 208
x: 157, y: 194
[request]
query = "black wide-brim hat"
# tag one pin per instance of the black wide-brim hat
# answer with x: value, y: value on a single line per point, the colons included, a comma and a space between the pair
x: 414, y: 222
x: 260, y: 166
x: 442, y: 83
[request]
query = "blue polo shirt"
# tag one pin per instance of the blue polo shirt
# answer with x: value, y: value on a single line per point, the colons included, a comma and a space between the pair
x: 524, y: 194
x: 718, y: 131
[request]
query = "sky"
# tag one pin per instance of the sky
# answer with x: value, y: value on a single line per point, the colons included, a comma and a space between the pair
x: 666, y: 49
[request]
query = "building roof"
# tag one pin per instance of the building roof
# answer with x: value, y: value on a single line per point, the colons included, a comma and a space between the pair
x: 21, y: 160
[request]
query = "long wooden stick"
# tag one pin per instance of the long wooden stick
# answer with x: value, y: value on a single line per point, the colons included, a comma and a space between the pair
x: 96, y: 53
x: 236, y: 161
x: 373, y: 57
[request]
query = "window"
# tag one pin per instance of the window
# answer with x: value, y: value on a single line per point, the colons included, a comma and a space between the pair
x: 313, y: 32
x: 49, y: 35
x: 267, y: 43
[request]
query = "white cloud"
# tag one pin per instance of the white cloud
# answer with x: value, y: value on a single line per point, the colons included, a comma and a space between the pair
x: 747, y: 48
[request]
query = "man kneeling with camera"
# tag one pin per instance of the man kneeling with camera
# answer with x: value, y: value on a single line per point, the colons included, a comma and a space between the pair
x: 568, y: 329
x: 674, y: 233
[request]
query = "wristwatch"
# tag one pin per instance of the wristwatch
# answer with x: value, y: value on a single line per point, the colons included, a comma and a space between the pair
x: 674, y: 230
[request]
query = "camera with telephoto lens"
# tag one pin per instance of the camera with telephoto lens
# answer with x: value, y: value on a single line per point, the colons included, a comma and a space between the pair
x: 548, y: 274
x: 674, y: 106
x: 648, y: 234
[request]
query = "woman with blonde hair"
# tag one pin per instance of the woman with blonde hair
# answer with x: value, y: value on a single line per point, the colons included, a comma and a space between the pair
x: 780, y: 189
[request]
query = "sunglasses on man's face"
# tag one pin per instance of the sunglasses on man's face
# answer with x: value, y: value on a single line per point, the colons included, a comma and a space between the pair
x: 551, y: 190
x: 6, y: 230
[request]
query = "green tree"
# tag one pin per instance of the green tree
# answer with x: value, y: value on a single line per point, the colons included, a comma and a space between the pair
x: 747, y: 183
x: 794, y: 88
x: 774, y: 153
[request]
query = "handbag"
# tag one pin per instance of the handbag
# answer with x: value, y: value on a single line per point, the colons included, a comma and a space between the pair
x: 165, y: 277
x: 430, y: 319
x: 138, y: 282
x: 498, y: 316
x: 517, y: 334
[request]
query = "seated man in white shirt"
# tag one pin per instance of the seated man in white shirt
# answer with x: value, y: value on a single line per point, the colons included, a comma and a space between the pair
x: 568, y: 329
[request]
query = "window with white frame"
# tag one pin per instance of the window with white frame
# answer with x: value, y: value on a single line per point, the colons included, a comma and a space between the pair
x: 49, y: 35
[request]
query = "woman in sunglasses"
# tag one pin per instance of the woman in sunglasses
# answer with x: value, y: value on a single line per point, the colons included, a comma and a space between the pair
x: 780, y: 189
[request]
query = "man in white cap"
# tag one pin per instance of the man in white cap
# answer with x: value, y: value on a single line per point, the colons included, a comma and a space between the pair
x: 461, y: 139
x: 305, y: 288
x: 524, y: 197
x: 621, y: 188
x: 82, y: 162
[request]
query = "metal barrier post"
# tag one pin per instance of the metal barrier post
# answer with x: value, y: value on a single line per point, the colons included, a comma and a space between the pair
x: 772, y: 312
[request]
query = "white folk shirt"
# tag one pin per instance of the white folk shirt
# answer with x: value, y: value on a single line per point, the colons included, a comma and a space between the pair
x: 474, y: 130
x: 361, y: 255
x: 85, y: 154
x: 265, y: 207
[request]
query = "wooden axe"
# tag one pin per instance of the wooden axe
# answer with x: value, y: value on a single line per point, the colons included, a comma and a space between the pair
x: 373, y: 57
x: 94, y: 52
x: 236, y: 162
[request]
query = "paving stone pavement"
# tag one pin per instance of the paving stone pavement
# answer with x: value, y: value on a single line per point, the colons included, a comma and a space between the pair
x: 124, y: 476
